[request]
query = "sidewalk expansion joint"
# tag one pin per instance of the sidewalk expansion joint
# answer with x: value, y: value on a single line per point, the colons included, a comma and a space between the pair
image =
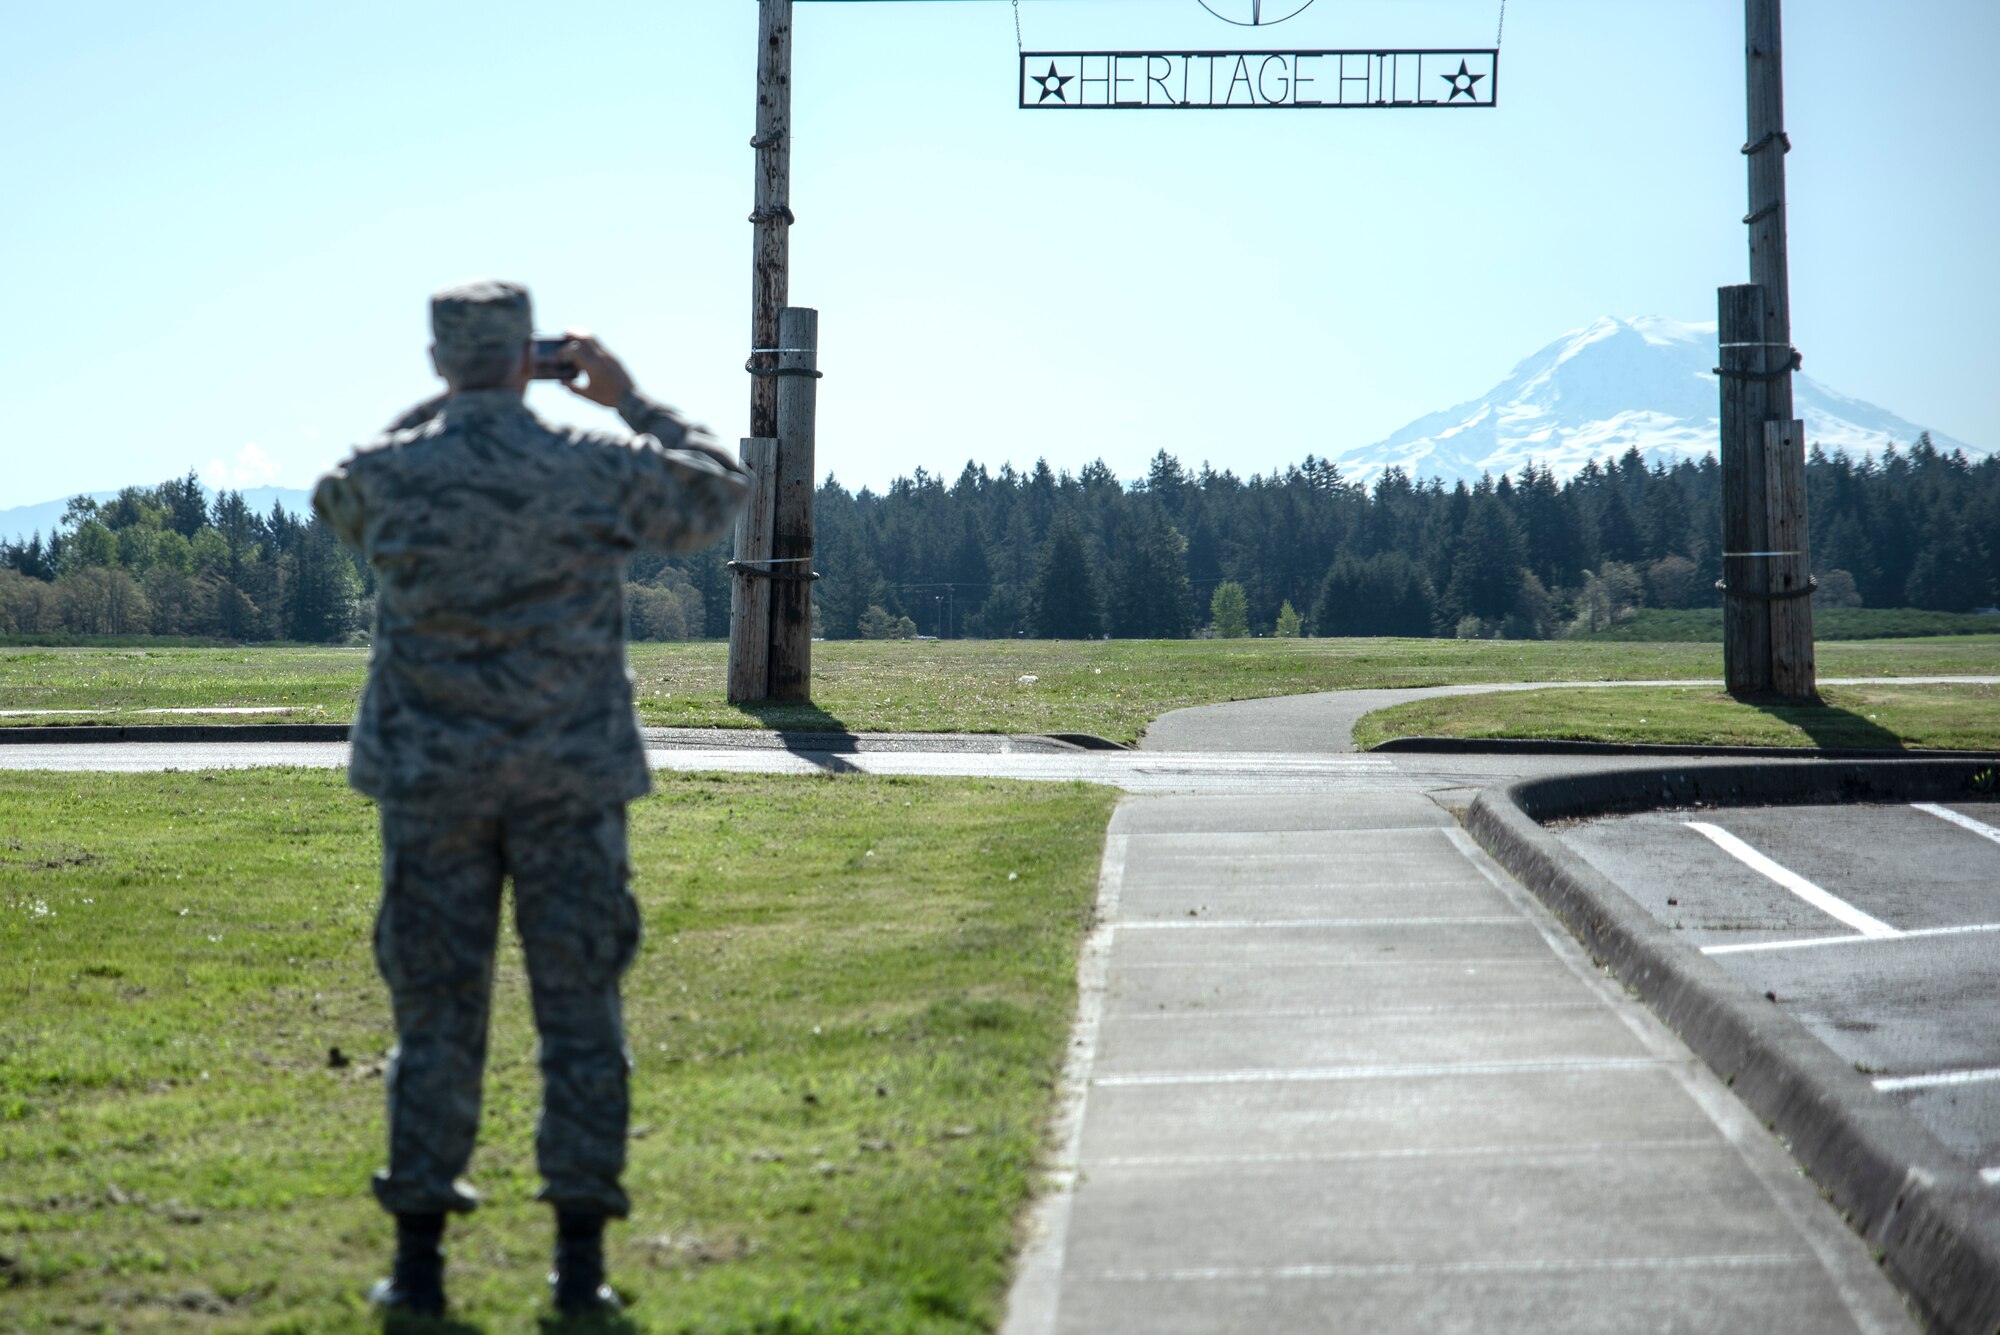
x: 1386, y: 1269
x: 1512, y: 1153
x: 1182, y: 1016
x: 1270, y: 924
x: 1339, y: 966
x: 1409, y: 1071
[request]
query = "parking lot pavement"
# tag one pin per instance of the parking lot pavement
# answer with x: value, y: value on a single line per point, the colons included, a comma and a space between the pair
x: 1878, y: 927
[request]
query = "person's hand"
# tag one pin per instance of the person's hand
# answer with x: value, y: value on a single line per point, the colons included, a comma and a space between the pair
x: 605, y: 378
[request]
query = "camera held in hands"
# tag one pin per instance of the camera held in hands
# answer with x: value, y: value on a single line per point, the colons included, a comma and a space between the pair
x: 549, y: 362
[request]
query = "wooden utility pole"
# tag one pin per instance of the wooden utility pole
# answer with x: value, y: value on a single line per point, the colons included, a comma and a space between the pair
x: 770, y: 633
x: 1767, y: 645
x: 772, y: 214
x: 792, y: 521
x: 750, y: 592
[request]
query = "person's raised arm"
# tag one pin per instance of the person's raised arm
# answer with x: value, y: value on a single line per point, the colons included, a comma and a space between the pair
x: 337, y: 498
x: 417, y: 414
x: 606, y: 381
x: 337, y: 501
x: 679, y: 488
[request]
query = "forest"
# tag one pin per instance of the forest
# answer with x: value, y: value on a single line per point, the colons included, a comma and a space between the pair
x: 169, y: 560
x: 1054, y: 554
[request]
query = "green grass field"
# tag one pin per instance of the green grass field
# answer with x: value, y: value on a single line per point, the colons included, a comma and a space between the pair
x: 1111, y: 688
x: 1954, y: 717
x: 847, y: 1018
x: 1832, y: 623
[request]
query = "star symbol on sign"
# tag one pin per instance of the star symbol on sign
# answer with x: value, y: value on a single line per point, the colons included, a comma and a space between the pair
x: 1462, y: 83
x: 1052, y: 84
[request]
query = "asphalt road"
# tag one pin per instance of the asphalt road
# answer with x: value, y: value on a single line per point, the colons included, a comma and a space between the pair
x: 1878, y: 927
x: 1446, y: 776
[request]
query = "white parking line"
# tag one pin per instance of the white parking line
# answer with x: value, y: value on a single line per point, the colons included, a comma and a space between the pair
x: 1980, y: 828
x: 1889, y: 1084
x: 1830, y: 904
x: 1805, y: 942
x: 1991, y: 1176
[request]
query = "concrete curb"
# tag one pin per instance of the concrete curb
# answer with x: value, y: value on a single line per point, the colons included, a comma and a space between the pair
x: 1527, y: 746
x: 1088, y: 741
x: 67, y: 734
x: 1935, y: 1222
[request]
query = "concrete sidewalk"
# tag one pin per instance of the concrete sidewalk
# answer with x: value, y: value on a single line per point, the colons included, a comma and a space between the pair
x: 1335, y: 1071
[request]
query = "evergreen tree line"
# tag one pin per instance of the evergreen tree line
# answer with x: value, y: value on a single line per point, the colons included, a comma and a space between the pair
x: 1060, y: 555
x: 168, y: 560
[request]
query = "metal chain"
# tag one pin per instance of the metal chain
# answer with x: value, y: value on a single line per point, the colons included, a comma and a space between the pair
x: 1497, y: 32
x: 1018, y: 47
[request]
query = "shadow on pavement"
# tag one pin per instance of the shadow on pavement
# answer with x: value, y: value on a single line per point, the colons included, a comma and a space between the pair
x: 807, y: 731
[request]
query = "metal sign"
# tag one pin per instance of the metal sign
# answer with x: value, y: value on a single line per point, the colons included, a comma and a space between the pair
x: 1257, y: 80
x: 1255, y: 13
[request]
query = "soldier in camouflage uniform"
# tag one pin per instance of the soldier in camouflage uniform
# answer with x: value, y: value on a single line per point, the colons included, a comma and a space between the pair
x: 498, y: 737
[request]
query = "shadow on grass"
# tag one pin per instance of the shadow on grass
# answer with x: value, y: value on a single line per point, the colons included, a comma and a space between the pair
x: 1832, y: 728
x: 548, y: 1323
x: 399, y: 1323
x: 618, y: 1324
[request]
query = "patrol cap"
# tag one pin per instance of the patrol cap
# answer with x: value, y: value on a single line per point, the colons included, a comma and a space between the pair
x: 481, y: 313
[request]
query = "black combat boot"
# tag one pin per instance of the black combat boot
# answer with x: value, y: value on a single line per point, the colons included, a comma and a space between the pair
x: 578, y: 1279
x: 416, y: 1288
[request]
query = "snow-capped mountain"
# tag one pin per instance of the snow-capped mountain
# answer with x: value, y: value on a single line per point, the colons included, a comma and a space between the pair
x: 1599, y: 391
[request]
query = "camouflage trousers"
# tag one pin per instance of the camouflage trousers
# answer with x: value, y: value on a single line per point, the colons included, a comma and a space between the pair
x: 434, y: 941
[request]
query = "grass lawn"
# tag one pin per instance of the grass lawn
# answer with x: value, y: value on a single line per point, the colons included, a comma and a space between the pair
x: 1953, y: 717
x: 847, y: 1017
x: 1112, y: 688
x: 1831, y: 623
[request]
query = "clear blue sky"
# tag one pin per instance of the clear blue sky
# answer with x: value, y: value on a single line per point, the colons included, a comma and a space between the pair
x: 222, y: 220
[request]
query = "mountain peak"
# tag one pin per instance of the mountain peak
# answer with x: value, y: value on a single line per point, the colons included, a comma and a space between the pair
x: 1618, y: 383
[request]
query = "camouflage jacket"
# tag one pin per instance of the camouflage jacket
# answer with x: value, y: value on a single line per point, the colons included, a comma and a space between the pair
x: 499, y: 544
